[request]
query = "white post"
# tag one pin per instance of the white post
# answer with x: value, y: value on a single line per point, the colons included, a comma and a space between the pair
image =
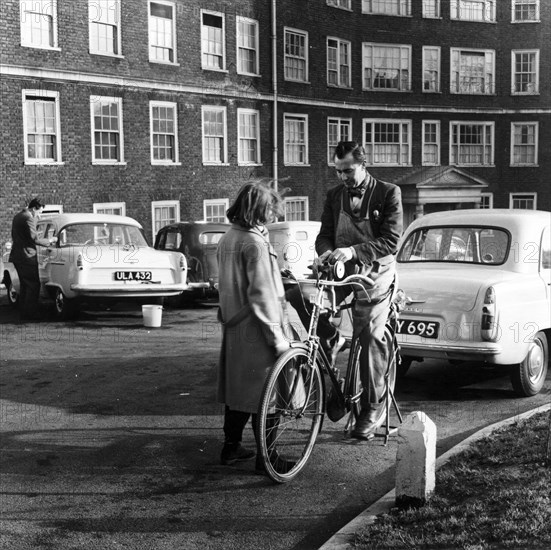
x: 415, y: 460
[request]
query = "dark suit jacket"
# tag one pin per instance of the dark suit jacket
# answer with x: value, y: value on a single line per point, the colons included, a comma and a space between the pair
x: 385, y: 217
x: 25, y: 238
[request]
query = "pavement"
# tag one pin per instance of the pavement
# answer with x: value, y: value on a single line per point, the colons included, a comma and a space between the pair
x: 342, y: 540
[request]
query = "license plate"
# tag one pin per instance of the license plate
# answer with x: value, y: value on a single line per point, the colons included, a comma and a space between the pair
x: 425, y: 329
x: 132, y: 275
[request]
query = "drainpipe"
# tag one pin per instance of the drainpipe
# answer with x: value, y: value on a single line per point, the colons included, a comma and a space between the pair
x: 274, y: 92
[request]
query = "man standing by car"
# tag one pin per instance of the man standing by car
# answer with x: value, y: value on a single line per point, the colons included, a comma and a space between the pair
x: 23, y: 256
x: 360, y: 225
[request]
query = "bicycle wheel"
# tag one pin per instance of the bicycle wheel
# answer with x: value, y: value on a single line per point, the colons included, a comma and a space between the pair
x: 290, y: 415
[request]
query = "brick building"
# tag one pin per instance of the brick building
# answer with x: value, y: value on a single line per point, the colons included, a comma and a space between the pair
x: 159, y: 109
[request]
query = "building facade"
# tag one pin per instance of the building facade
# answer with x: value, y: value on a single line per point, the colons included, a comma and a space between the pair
x: 160, y: 109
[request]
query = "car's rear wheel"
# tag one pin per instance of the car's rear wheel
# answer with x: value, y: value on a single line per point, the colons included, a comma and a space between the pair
x: 528, y: 377
x: 13, y: 295
x: 65, y: 308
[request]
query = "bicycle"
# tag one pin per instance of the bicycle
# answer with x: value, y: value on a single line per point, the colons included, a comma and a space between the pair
x: 293, y: 400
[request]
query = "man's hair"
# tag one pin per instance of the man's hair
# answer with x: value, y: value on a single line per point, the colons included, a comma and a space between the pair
x: 256, y: 204
x: 343, y: 148
x: 36, y: 203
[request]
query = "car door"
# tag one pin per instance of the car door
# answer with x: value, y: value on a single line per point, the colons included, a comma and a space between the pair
x: 45, y: 230
x: 545, y: 263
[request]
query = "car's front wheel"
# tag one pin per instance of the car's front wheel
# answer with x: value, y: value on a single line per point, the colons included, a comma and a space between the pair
x: 528, y: 377
x: 65, y: 308
x: 13, y: 295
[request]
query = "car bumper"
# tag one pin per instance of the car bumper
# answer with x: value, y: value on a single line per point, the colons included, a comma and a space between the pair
x: 436, y: 351
x: 138, y: 291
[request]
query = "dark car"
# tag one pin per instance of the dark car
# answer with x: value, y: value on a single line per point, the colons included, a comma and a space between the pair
x: 198, y: 242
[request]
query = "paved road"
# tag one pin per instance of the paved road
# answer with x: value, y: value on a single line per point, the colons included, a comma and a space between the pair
x: 111, y: 436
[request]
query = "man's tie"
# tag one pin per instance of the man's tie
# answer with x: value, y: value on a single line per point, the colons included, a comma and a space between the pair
x: 356, y: 191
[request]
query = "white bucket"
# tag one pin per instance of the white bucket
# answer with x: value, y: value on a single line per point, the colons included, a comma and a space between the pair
x: 152, y: 315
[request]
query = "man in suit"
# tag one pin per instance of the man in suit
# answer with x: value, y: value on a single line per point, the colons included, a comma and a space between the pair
x: 361, y: 225
x: 23, y: 256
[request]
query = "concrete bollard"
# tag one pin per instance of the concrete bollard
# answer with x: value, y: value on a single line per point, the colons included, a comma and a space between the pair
x: 415, y: 460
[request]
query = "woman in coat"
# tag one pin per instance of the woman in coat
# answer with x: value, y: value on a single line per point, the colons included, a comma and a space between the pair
x: 252, y: 310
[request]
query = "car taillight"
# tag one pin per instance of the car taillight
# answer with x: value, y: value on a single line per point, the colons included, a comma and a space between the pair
x: 489, y: 326
x: 80, y: 263
x: 183, y: 265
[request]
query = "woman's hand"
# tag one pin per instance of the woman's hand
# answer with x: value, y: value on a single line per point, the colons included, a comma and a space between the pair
x: 282, y: 347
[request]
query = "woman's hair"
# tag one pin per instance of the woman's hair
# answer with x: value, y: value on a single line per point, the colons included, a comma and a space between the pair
x: 343, y: 148
x: 256, y: 204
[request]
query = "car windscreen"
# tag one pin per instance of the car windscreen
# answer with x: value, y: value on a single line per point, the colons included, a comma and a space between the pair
x: 476, y: 245
x: 210, y: 237
x: 80, y: 234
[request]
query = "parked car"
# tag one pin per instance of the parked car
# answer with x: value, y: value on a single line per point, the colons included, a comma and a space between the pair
x: 198, y: 241
x: 99, y: 256
x: 294, y: 243
x: 478, y: 288
x: 8, y: 276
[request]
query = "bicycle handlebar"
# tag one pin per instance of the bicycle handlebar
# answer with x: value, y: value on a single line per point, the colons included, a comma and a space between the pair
x: 351, y: 279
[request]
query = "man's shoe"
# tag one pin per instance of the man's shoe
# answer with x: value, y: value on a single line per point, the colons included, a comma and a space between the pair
x: 333, y: 346
x: 234, y: 452
x: 368, y: 422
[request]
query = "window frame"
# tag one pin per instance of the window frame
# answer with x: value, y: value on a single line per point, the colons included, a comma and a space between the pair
x: 240, y: 161
x: 304, y: 200
x: 537, y: 15
x: 438, y: 143
x: 401, y: 48
x: 340, y: 43
x: 91, y: 22
x: 337, y: 4
x: 490, y: 197
x: 341, y: 121
x: 523, y: 196
x: 97, y: 206
x: 205, y: 66
x: 286, y: 32
x: 224, y: 148
x: 225, y: 203
x: 425, y: 69
x: 164, y: 162
x: 455, y: 11
x: 535, y: 125
x: 240, y: 19
x: 514, y: 73
x: 57, y: 131
x: 455, y: 88
x: 482, y: 124
x: 370, y: 147
x: 399, y: 3
x: 118, y: 100
x: 174, y: 36
x: 437, y: 9
x: 54, y: 30
x: 304, y: 118
x: 163, y: 204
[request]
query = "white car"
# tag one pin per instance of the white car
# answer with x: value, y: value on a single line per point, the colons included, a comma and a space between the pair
x: 478, y: 288
x: 99, y: 256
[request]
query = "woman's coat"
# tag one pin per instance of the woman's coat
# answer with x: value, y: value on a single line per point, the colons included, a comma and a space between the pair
x: 252, y: 310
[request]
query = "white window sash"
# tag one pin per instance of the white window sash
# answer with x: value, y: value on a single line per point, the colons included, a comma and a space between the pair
x: 104, y: 15
x: 162, y: 35
x: 161, y: 137
x: 396, y: 151
x: 338, y: 129
x: 472, y: 143
x: 214, y: 132
x: 39, y: 23
x: 214, y: 210
x: 247, y: 52
x: 248, y: 136
x: 295, y: 63
x: 104, y: 133
x: 213, y: 42
x: 295, y: 151
x: 164, y: 213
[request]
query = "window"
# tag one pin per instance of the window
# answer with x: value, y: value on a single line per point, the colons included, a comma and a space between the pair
x: 525, y: 71
x: 295, y: 139
x: 522, y: 201
x: 248, y: 136
x: 163, y: 213
x: 247, y: 46
x: 524, y: 143
x: 344, y: 4
x: 338, y: 62
x: 164, y: 134
x: 51, y: 210
x: 472, y: 143
x: 338, y: 129
x: 431, y: 9
x: 104, y: 17
x: 107, y: 142
x: 387, y: 142
x: 386, y: 67
x: 546, y: 254
x: 214, y: 210
x: 486, y: 200
x: 472, y: 71
x: 41, y: 127
x: 296, y: 55
x: 473, y: 10
x: 296, y: 209
x: 114, y: 208
x: 38, y: 23
x: 162, y: 32
x: 525, y: 11
x: 387, y: 7
x: 431, y: 143
x: 213, y: 46
x: 214, y: 135
x: 431, y: 69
